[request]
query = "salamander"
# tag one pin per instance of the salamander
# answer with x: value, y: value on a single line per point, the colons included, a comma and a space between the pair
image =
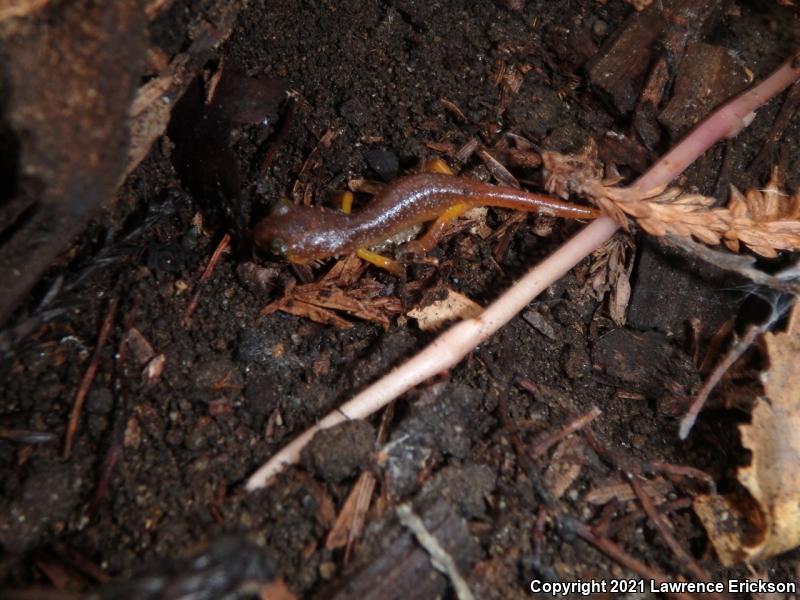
x: 304, y: 234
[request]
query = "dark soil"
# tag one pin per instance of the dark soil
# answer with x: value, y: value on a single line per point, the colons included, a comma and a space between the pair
x: 236, y: 387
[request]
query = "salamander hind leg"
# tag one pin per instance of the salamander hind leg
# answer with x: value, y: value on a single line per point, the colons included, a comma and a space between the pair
x: 435, y: 232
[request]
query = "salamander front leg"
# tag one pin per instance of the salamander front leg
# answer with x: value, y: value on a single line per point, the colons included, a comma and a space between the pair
x: 436, y: 165
x: 389, y: 264
x: 395, y: 268
x: 345, y: 201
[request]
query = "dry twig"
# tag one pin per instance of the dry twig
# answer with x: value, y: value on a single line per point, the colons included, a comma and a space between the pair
x: 571, y: 427
x: 88, y: 377
x: 663, y: 527
x: 207, y: 272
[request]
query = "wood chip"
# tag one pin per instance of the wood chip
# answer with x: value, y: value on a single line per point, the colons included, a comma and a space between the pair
x: 454, y: 306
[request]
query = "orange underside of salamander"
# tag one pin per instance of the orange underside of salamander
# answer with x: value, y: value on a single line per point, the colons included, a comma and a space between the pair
x: 305, y: 233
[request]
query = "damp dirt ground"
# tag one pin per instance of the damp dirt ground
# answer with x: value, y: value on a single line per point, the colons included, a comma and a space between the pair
x: 381, y: 79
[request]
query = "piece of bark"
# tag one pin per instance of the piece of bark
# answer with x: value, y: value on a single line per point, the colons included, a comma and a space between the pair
x: 393, y: 565
x: 203, y: 125
x: 645, y: 362
x: 71, y: 71
x: 707, y: 76
x: 671, y: 288
x: 620, y: 67
x: 72, y: 122
x: 151, y: 110
x: 686, y: 20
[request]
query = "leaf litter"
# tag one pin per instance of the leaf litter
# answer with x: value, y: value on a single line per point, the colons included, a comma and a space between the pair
x: 343, y: 289
x: 765, y: 521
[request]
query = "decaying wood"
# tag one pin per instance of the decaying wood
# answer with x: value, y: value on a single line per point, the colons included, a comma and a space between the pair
x: 70, y: 73
x: 440, y: 558
x: 707, y: 76
x: 73, y: 124
x: 626, y: 357
x: 695, y: 290
x: 621, y: 66
x: 685, y: 24
x: 401, y: 569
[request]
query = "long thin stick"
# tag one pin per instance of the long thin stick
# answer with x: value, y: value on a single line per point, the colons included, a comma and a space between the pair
x: 617, y: 554
x: 207, y: 272
x: 661, y: 524
x: 88, y: 378
x: 450, y: 347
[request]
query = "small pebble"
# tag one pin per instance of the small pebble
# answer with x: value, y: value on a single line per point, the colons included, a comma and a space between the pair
x: 600, y: 28
x: 327, y: 570
x: 337, y: 453
x: 99, y: 401
x: 383, y: 162
x: 575, y: 362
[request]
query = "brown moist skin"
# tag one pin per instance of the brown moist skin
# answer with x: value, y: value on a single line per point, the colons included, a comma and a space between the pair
x: 305, y: 233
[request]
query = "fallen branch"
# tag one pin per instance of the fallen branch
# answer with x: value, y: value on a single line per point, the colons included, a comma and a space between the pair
x: 450, y: 347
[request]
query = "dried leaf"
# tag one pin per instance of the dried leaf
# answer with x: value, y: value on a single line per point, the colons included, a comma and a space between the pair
x: 350, y: 520
x: 765, y: 220
x: 309, y: 311
x: 610, y: 273
x: 773, y: 477
x: 564, y: 466
x: 342, y: 289
x: 622, y: 492
x: 454, y: 306
x: 276, y: 590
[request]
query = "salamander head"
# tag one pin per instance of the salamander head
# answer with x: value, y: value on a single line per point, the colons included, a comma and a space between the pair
x: 302, y: 234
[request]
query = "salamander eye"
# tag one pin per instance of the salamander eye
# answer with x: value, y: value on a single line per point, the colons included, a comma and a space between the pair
x: 278, y: 246
x: 281, y: 208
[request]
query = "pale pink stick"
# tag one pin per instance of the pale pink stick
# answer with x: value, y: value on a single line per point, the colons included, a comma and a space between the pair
x: 450, y: 347
x: 725, y: 122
